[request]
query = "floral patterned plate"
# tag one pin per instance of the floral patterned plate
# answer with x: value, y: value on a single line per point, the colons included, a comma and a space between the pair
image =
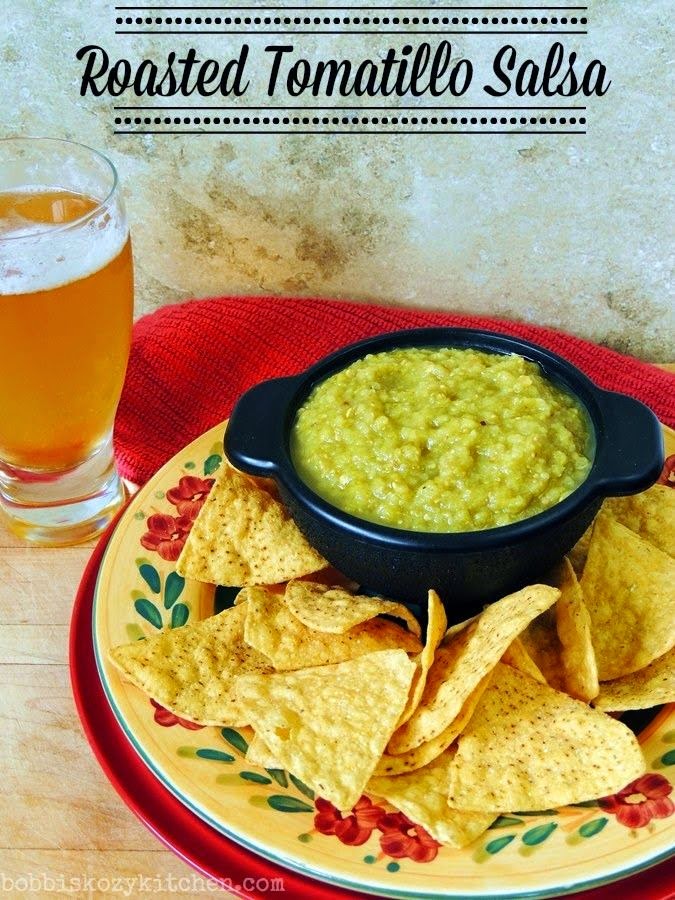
x: 373, y: 849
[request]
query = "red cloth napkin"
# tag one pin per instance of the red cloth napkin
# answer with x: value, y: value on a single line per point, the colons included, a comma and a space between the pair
x: 190, y: 362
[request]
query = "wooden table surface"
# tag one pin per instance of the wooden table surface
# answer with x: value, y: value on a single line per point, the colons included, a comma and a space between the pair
x: 59, y: 816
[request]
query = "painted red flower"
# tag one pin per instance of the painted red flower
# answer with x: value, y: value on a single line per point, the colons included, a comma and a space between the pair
x: 402, y: 838
x: 166, y: 535
x: 354, y: 829
x: 667, y: 475
x: 642, y: 800
x: 189, y: 496
x: 167, y: 719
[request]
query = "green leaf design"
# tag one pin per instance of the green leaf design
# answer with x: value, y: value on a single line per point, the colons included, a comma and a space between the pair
x: 134, y: 632
x: 234, y: 739
x: 150, y: 576
x: 187, y: 752
x: 283, y: 803
x: 589, y: 804
x: 302, y: 787
x: 499, y: 843
x: 212, y: 463
x: 506, y: 822
x: 179, y: 615
x: 668, y: 759
x: 219, y: 755
x: 256, y: 777
x: 279, y: 776
x: 173, y: 588
x: 594, y: 827
x: 148, y: 611
x: 539, y: 834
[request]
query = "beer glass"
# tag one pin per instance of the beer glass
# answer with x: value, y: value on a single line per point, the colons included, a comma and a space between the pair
x: 66, y: 304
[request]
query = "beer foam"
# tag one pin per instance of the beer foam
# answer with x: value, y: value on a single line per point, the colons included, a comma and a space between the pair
x: 40, y: 257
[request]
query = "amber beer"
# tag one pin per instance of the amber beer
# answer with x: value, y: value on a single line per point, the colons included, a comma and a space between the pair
x: 64, y: 346
x: 66, y: 305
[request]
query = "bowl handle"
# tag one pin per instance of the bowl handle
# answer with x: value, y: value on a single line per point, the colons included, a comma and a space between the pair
x: 254, y: 438
x: 630, y: 451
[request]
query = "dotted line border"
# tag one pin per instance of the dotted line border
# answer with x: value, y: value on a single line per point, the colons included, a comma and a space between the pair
x: 351, y: 20
x: 350, y: 120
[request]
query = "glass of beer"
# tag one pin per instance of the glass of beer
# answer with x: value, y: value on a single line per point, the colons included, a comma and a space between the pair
x: 66, y: 304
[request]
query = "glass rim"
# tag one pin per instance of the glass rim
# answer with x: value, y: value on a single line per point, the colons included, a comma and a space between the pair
x: 80, y: 220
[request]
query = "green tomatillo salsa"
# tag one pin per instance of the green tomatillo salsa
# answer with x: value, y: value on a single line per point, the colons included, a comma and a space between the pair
x: 441, y: 439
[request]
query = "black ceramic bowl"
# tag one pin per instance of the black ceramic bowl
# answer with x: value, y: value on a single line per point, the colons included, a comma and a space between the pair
x: 469, y: 568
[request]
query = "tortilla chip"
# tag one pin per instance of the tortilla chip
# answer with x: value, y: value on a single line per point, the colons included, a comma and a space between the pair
x: 422, y: 796
x: 651, y: 686
x: 629, y: 589
x: 541, y: 642
x: 334, y: 610
x: 650, y: 514
x: 460, y: 664
x: 259, y: 754
x: 530, y: 747
x: 573, y: 624
x: 274, y: 631
x: 190, y: 670
x: 329, y: 725
x: 456, y: 627
x: 436, y: 625
x: 578, y: 554
x: 391, y: 764
x: 244, y: 535
x: 331, y: 577
x: 517, y: 656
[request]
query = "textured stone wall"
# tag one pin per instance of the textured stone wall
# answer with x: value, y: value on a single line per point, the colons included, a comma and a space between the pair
x: 573, y: 231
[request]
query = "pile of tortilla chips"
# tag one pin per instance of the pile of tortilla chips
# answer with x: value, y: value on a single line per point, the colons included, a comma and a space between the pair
x: 483, y: 718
